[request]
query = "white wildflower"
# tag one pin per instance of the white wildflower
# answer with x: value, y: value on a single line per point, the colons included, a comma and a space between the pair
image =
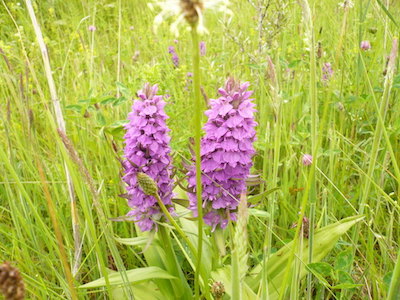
x: 346, y: 4
x: 189, y: 10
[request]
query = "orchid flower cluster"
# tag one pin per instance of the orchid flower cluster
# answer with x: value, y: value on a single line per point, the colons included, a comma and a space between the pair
x: 226, y: 156
x: 226, y: 152
x: 147, y: 150
x: 226, y: 149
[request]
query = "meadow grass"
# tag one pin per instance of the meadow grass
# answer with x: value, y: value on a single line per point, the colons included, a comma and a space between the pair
x: 350, y: 123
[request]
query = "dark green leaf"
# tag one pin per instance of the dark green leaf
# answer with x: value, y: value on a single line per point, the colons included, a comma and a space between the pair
x: 123, y: 89
x: 387, y: 278
x: 344, y: 277
x: 134, y: 276
x: 74, y: 107
x: 321, y: 268
x: 100, y: 119
x: 85, y: 101
x: 108, y: 100
x: 294, y: 63
x: 344, y: 260
x: 119, y: 101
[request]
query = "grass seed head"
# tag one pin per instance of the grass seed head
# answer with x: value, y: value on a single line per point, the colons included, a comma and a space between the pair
x: 11, y: 283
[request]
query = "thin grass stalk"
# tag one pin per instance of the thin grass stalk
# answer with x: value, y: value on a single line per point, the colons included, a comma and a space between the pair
x: 379, y: 131
x: 61, y: 124
x: 303, y: 206
x: 197, y: 137
x: 385, y: 134
x: 395, y: 281
x: 358, y: 70
x: 297, y: 236
x: 307, y: 18
x: 236, y: 293
x: 386, y: 31
x: 175, y: 225
x: 378, y: 134
x: 295, y: 286
x: 342, y: 34
x: 61, y: 247
x: 91, y: 63
x: 314, y: 141
x: 394, y: 287
x: 107, y: 229
x: 276, y: 103
x: 119, y: 46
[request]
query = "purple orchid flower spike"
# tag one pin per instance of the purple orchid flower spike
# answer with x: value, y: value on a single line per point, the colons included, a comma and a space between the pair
x: 327, y: 72
x: 175, y: 57
x: 226, y: 154
x: 147, y: 150
x: 202, y: 47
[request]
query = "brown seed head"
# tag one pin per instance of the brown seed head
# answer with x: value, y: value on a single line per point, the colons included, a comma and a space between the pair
x: 11, y: 284
x: 218, y: 290
x: 191, y: 10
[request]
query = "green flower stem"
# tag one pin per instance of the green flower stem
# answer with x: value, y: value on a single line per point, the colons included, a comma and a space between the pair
x: 175, y: 225
x: 173, y: 265
x: 199, y: 268
x: 197, y: 136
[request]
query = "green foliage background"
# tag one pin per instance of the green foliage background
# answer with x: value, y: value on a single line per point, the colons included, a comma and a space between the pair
x: 85, y: 69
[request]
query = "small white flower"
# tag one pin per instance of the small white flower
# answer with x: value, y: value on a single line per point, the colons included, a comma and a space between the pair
x: 189, y: 10
x: 346, y: 4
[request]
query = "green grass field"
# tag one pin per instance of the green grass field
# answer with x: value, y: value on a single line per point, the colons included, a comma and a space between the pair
x: 60, y: 193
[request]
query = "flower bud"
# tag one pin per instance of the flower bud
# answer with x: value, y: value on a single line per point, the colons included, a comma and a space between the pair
x: 147, y: 184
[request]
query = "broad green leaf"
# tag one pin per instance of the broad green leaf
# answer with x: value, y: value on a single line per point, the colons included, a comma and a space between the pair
x: 190, y: 228
x: 344, y: 259
x: 74, y: 107
x: 258, y: 213
x: 324, y: 240
x: 294, y: 63
x: 134, y: 276
x: 136, y: 241
x: 85, y: 101
x: 108, y: 100
x: 321, y: 268
x: 141, y: 291
x: 388, y: 278
x: 344, y: 277
x: 224, y: 275
x: 155, y: 256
